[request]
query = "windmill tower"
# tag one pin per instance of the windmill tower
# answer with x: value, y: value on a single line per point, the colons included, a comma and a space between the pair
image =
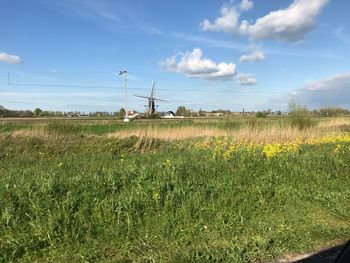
x: 151, y: 107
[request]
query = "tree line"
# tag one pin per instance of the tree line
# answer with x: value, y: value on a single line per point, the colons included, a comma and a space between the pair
x: 7, y: 113
x: 181, y: 111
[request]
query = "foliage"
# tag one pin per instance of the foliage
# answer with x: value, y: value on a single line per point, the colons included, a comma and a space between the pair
x: 299, y: 116
x: 122, y: 112
x: 155, y: 115
x: 261, y: 114
x: 37, y: 112
x: 331, y: 111
x: 182, y: 111
x: 5, y: 113
x: 68, y: 196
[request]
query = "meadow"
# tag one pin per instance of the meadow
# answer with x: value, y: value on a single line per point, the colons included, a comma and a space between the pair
x: 221, y: 190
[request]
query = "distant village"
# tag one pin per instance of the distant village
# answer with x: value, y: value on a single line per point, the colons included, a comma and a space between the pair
x: 181, y: 112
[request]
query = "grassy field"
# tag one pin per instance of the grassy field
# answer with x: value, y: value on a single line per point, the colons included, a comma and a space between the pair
x: 224, y: 190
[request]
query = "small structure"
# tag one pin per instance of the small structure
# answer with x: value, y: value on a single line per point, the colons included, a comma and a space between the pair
x: 171, y: 115
x: 131, y: 115
x: 75, y: 114
x: 151, y: 107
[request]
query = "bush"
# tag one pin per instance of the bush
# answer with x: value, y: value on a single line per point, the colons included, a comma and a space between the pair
x: 261, y: 114
x: 299, y: 116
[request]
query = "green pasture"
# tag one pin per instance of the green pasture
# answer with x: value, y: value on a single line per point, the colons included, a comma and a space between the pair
x: 76, y: 196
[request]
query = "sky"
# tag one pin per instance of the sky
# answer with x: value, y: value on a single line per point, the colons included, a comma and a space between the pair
x: 253, y: 54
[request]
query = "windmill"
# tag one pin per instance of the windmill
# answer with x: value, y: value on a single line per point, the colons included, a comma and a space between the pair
x: 151, y: 107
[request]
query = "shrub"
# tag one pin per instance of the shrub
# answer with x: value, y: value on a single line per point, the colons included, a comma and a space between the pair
x: 261, y: 114
x: 299, y: 116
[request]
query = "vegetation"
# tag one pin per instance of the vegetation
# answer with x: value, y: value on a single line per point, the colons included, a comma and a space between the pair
x: 121, y: 113
x: 37, y: 112
x: 332, y: 111
x: 261, y: 114
x: 233, y: 190
x: 182, y: 111
x: 299, y: 116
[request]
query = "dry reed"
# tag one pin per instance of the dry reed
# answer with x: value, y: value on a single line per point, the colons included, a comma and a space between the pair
x: 261, y: 134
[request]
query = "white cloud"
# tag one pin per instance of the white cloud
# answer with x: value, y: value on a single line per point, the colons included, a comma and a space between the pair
x: 246, y: 79
x: 192, y: 64
x: 255, y: 56
x: 290, y: 24
x: 11, y: 59
x: 227, y: 22
x: 330, y: 91
x: 246, y: 5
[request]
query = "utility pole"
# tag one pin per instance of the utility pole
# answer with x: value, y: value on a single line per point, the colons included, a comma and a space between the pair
x: 125, y: 73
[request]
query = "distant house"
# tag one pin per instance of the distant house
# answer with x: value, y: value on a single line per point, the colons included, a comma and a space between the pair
x: 171, y: 115
x: 213, y: 114
x: 74, y: 114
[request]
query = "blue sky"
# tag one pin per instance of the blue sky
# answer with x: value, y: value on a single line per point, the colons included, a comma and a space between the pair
x: 64, y: 54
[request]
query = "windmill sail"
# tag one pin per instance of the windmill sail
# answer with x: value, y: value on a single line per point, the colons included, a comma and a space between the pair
x: 153, y: 88
x: 144, y: 97
x: 161, y: 99
x: 151, y: 107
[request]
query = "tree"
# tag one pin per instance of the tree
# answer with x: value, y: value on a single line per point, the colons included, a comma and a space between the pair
x: 122, y: 112
x: 333, y: 111
x: 44, y: 114
x: 182, y: 111
x: 37, y: 112
x: 58, y: 114
x: 27, y: 114
x: 2, y: 111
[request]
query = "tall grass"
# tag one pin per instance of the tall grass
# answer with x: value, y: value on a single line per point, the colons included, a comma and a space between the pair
x: 71, y: 198
x: 63, y: 127
x: 252, y: 130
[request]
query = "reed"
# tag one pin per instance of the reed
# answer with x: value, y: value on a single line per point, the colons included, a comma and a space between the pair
x: 249, y: 132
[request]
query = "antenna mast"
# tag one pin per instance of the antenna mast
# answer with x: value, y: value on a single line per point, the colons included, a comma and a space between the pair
x: 125, y: 73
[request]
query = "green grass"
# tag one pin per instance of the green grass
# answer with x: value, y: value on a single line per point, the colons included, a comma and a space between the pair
x: 9, y: 127
x: 73, y: 198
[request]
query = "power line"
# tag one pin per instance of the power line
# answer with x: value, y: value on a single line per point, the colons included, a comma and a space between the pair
x: 231, y: 91
x: 61, y: 86
x: 207, y: 83
x: 111, y: 87
x: 228, y: 90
